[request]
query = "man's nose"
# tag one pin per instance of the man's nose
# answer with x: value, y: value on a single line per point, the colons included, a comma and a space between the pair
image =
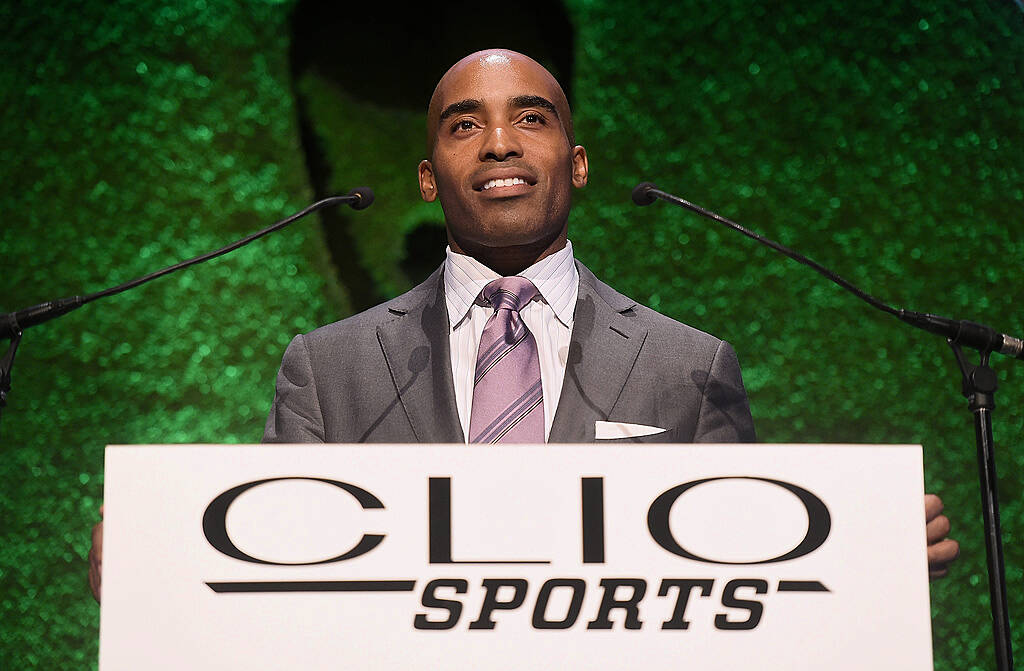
x: 500, y: 143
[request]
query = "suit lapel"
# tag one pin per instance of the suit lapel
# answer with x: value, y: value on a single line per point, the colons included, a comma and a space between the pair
x: 606, y: 340
x: 416, y: 347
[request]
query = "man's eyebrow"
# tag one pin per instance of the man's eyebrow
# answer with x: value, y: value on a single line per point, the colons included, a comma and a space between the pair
x: 461, y: 107
x: 533, y: 101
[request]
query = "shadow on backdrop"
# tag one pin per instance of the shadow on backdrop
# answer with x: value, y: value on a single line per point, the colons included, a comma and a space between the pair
x: 362, y: 84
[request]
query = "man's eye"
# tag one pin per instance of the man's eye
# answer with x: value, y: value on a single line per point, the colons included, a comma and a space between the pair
x: 464, y: 125
x: 533, y: 118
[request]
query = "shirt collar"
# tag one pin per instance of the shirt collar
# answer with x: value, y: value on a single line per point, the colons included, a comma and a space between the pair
x: 555, y: 277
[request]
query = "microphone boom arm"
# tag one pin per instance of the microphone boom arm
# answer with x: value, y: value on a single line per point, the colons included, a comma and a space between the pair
x: 960, y: 332
x: 13, y: 324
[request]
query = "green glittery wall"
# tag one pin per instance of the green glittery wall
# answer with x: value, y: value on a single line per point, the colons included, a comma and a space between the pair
x: 882, y: 139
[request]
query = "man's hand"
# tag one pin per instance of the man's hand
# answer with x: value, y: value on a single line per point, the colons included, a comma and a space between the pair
x: 941, y: 550
x: 96, y: 558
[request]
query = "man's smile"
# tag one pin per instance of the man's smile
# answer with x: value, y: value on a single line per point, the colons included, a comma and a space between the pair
x: 504, y: 182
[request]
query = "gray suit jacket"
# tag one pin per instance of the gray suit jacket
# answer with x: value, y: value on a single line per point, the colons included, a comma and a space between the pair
x: 385, y: 375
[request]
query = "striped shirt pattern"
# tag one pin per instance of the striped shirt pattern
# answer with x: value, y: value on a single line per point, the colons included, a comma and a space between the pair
x: 549, y: 316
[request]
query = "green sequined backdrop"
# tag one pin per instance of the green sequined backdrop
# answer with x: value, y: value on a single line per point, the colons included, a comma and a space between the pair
x: 883, y: 139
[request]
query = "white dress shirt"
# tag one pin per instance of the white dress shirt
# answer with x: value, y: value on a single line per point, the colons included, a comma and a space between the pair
x: 548, y: 316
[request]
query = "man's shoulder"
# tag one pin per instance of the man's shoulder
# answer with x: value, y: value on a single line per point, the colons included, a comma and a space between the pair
x: 657, y: 324
x: 365, y: 323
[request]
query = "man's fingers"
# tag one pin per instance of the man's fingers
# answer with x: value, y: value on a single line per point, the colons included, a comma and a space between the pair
x: 95, y: 571
x: 97, y: 542
x: 932, y: 507
x: 937, y: 529
x: 939, y: 557
x: 96, y: 559
x: 943, y: 552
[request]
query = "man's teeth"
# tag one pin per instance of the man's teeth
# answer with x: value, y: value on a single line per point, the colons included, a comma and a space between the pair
x: 503, y: 182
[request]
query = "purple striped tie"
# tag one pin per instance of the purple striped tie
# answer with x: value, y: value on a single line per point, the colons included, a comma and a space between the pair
x: 507, y: 396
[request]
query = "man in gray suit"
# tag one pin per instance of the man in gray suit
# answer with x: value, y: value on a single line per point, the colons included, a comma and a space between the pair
x: 386, y: 376
x: 499, y: 120
x: 503, y: 164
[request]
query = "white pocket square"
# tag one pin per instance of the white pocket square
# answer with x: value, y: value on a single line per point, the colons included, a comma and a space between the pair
x: 608, y: 430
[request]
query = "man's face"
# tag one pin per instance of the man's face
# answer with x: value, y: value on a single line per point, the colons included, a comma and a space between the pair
x: 502, y: 163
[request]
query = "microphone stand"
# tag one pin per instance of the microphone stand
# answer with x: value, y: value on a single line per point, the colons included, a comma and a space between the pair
x: 978, y: 386
x: 13, y: 324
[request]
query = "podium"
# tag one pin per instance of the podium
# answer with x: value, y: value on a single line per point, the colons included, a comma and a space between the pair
x: 515, y: 557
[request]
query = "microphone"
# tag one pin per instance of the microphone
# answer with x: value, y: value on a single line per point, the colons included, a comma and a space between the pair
x: 363, y: 196
x: 963, y: 332
x: 642, y: 195
x: 958, y: 332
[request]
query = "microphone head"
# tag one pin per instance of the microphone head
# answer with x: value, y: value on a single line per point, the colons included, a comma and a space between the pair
x: 364, y: 197
x: 642, y: 194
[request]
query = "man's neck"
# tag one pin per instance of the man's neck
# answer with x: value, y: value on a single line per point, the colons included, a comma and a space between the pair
x: 508, y: 261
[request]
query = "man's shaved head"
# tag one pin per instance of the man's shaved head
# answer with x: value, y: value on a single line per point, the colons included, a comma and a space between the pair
x: 489, y: 62
x: 502, y: 160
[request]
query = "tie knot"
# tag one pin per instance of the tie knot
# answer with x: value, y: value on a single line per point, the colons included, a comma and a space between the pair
x: 512, y: 293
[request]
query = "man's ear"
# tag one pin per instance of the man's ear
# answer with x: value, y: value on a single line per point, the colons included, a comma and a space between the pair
x: 580, y: 167
x: 428, y: 189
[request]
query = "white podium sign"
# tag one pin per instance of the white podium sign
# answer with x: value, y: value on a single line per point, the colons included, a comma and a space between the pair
x: 523, y: 557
